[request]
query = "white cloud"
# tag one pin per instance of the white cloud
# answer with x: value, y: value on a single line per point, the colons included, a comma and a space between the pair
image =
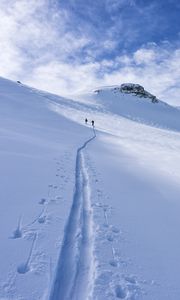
x: 160, y: 75
x: 144, y: 56
x: 157, y: 69
x: 113, y: 5
x: 33, y: 33
x: 39, y: 48
x: 65, y: 79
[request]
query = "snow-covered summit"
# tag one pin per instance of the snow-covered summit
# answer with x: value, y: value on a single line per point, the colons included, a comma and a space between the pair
x: 133, y: 102
x: 131, y: 88
x: 127, y: 100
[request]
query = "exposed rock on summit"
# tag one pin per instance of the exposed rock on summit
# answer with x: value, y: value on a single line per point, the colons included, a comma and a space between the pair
x: 131, y: 88
x: 137, y: 90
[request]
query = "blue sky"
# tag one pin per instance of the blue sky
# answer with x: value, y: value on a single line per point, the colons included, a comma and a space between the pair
x: 65, y: 46
x: 128, y: 24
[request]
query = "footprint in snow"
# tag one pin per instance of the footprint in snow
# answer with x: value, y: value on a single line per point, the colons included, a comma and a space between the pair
x: 114, y: 229
x: 23, y: 268
x: 110, y: 237
x: 53, y: 201
x: 98, y: 204
x: 17, y: 234
x: 42, y: 219
x: 42, y: 201
x: 18, y: 231
x: 105, y: 225
x: 120, y: 292
x: 130, y: 279
x: 58, y: 197
x: 113, y: 263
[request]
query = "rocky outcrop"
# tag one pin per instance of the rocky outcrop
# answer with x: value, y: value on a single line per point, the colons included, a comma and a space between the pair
x: 136, y: 89
x: 131, y: 88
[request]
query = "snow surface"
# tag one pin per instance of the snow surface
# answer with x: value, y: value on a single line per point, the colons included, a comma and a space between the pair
x: 88, y: 214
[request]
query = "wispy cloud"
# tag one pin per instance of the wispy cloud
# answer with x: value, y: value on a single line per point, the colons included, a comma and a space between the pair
x: 34, y: 32
x: 157, y: 68
x: 68, y: 46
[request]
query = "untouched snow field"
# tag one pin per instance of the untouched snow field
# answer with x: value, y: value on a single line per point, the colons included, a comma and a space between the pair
x: 88, y: 214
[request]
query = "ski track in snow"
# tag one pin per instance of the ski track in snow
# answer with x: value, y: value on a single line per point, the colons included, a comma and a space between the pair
x: 75, y: 268
x: 25, y: 267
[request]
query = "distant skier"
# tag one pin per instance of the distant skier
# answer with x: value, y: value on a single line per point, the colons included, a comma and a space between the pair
x: 92, y: 122
x: 86, y: 120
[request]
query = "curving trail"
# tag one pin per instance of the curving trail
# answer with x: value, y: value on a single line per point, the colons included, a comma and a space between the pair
x: 75, y: 268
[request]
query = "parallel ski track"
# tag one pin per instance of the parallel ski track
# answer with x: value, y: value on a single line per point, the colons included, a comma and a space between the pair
x: 75, y: 268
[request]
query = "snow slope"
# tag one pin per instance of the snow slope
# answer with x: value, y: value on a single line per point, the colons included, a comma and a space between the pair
x: 88, y: 214
x: 139, y: 109
x: 38, y: 153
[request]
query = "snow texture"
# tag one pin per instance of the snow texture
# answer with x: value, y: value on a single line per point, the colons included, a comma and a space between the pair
x: 88, y: 213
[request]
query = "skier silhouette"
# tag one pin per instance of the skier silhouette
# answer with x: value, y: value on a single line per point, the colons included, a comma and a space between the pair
x: 92, y: 122
x: 86, y: 120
